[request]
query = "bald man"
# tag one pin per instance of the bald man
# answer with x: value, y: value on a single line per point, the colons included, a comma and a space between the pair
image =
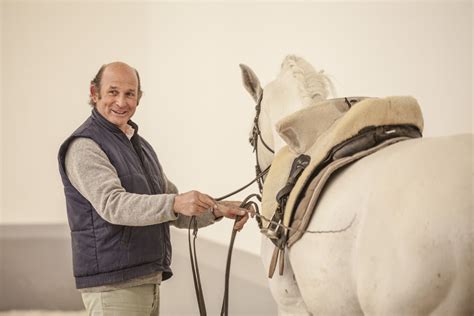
x: 120, y: 203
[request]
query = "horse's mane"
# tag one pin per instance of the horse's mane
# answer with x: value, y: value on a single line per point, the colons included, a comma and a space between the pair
x: 313, y: 86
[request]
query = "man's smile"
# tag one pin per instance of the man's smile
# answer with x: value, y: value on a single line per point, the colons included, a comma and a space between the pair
x: 119, y: 112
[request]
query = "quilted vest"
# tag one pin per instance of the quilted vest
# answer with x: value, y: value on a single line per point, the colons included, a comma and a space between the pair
x: 104, y: 253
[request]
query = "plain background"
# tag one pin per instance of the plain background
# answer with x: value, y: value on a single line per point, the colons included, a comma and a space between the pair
x: 195, y: 111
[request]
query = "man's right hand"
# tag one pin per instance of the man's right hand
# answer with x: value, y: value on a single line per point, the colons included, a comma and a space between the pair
x: 193, y: 203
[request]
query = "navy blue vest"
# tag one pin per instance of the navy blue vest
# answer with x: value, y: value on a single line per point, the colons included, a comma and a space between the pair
x: 104, y: 253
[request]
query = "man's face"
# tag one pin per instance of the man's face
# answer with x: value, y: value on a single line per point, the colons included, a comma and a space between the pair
x: 117, y: 99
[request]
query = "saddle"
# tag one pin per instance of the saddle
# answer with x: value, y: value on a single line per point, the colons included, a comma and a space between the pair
x: 321, y: 139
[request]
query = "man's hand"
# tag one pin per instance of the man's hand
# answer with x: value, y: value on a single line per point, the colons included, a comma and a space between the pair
x: 231, y: 209
x: 193, y: 203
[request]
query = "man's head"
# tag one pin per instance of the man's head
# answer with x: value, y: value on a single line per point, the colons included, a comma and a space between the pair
x: 115, y: 92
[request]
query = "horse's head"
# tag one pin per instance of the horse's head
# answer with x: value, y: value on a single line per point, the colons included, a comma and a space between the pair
x: 298, y: 85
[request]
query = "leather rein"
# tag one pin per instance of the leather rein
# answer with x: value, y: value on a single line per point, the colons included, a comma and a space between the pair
x: 247, y: 203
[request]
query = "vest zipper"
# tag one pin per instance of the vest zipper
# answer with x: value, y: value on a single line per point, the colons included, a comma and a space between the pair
x: 142, y: 164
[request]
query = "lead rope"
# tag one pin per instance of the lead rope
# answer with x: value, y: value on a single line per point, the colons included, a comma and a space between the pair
x: 195, y: 267
x: 245, y: 204
x: 192, y: 249
x: 256, y: 135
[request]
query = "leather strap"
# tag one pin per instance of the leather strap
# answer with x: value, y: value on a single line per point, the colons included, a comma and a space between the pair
x: 281, y: 263
x: 273, y: 262
x: 195, y: 267
x: 247, y: 203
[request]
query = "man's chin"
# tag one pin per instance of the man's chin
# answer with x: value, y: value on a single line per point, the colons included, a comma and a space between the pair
x: 118, y: 122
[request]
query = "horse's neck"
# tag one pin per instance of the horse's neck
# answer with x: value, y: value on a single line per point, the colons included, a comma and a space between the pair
x: 282, y: 98
x: 270, y: 135
x: 265, y: 156
x: 285, y: 100
x: 278, y: 112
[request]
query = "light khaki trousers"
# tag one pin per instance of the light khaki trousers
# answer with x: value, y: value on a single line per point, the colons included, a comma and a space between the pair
x: 143, y: 300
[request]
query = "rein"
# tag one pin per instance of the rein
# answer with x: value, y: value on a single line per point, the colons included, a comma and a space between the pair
x: 247, y: 204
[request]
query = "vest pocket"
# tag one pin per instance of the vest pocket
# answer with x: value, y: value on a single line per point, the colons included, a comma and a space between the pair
x: 84, y: 253
x: 126, y: 233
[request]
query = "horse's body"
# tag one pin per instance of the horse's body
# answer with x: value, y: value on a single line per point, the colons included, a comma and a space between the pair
x: 410, y: 249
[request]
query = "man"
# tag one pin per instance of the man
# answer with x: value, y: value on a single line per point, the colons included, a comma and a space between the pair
x: 120, y: 203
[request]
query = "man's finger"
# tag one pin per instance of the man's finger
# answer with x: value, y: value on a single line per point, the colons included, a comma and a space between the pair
x: 201, y: 206
x: 203, y: 201
x: 240, y: 224
x: 207, y: 200
x: 239, y: 211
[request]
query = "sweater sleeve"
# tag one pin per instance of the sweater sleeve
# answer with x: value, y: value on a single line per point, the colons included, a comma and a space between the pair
x: 182, y: 221
x: 93, y: 175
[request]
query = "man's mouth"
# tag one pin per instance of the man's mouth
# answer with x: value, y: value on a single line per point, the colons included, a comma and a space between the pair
x: 119, y: 112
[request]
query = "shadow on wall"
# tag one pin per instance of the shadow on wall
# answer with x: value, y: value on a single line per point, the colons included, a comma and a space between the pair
x: 36, y: 274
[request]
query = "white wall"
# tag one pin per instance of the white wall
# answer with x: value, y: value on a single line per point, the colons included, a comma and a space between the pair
x: 195, y: 111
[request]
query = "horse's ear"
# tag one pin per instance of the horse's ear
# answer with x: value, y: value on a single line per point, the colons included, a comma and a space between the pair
x: 251, y: 82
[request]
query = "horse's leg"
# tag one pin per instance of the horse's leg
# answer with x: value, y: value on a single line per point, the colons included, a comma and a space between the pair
x: 284, y: 288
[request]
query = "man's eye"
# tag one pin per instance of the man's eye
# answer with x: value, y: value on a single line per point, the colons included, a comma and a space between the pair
x: 113, y: 92
x: 131, y: 94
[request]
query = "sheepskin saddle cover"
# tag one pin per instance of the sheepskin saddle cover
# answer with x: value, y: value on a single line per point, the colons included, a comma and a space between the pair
x: 334, y: 129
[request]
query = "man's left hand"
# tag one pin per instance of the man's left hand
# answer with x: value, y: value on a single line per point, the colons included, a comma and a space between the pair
x: 231, y: 209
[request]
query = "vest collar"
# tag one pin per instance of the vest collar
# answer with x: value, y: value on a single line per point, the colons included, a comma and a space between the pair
x: 111, y: 127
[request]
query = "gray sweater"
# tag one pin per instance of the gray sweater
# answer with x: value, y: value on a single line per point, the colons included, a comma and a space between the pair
x: 93, y: 175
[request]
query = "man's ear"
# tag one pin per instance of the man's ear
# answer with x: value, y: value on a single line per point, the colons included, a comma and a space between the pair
x: 94, y: 93
x: 139, y: 97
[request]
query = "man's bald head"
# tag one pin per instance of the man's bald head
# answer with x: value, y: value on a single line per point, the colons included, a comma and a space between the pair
x: 118, y: 65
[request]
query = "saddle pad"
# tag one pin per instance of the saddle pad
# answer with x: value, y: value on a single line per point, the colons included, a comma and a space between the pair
x: 306, y: 207
x: 315, y: 130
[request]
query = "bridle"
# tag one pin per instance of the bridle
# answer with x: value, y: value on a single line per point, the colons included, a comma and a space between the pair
x: 253, y: 140
x: 246, y: 203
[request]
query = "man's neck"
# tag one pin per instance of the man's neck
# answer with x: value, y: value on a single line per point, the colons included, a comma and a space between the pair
x: 129, y: 131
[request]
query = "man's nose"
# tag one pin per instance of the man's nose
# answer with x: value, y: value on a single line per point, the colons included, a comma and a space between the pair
x: 121, y: 101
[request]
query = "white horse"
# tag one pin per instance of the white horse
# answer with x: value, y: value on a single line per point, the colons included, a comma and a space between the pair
x: 410, y: 249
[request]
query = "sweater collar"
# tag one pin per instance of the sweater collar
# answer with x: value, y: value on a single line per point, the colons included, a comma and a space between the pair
x: 111, y: 127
